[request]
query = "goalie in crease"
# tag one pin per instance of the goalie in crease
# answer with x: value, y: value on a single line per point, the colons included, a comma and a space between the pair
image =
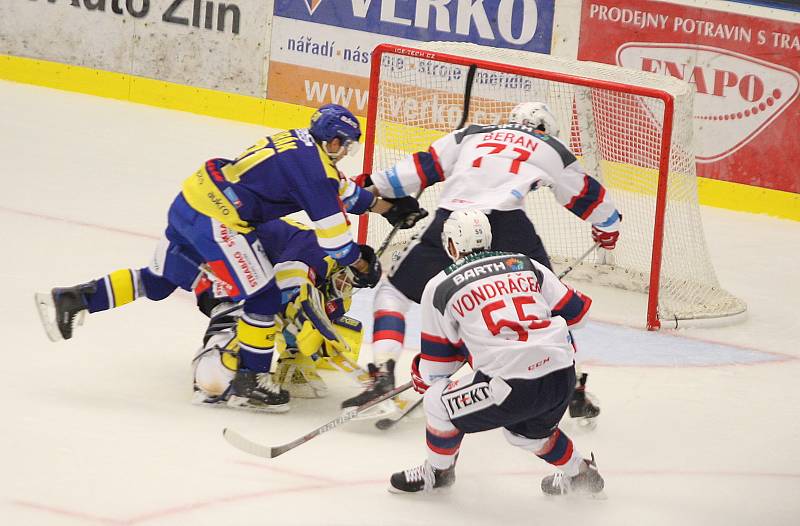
x: 490, y: 168
x: 216, y: 226
x: 304, y: 321
x: 310, y: 328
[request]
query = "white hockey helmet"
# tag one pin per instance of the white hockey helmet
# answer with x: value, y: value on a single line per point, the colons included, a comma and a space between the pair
x: 536, y: 115
x: 469, y: 230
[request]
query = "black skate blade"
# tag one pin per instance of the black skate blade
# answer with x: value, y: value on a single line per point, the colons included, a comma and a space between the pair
x: 46, y: 308
x: 420, y: 494
x: 579, y: 495
x: 241, y: 403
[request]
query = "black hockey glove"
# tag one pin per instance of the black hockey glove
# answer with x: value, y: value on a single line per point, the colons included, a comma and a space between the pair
x: 371, y: 277
x: 405, y: 212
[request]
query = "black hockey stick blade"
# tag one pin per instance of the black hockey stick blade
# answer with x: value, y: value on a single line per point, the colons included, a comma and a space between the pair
x: 260, y: 450
x: 387, y: 423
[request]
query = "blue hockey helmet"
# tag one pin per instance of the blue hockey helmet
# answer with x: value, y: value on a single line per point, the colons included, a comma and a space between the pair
x: 333, y: 121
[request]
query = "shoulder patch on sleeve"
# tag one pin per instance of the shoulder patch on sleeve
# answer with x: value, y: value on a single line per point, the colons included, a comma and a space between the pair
x: 567, y: 157
x: 472, y: 129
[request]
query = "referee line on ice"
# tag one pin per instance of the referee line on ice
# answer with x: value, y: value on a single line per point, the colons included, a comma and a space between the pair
x: 76, y: 222
x: 328, y: 484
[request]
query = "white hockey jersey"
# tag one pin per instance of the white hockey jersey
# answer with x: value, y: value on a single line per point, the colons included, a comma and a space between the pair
x: 494, y: 167
x: 507, y: 314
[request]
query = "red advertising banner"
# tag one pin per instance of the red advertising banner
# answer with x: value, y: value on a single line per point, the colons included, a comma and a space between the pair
x: 746, y: 71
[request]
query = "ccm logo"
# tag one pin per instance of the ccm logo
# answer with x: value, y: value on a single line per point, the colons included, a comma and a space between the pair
x: 538, y: 364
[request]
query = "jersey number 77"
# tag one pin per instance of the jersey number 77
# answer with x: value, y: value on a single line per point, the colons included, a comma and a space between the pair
x: 498, y: 148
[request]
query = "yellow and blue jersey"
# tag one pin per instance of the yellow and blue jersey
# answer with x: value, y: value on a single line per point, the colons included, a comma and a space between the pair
x: 279, y: 175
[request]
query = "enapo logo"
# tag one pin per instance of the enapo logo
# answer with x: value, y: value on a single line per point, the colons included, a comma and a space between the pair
x: 736, y: 98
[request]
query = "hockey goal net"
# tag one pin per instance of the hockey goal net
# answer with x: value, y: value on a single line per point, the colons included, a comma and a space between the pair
x: 631, y: 130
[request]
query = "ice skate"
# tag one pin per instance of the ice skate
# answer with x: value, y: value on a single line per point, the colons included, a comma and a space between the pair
x: 422, y: 478
x: 381, y: 381
x: 298, y: 375
x: 63, y: 309
x: 204, y: 398
x: 587, y: 482
x: 257, y: 391
x: 581, y: 406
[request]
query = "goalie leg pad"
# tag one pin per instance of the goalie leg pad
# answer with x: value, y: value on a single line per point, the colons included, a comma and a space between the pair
x: 310, y: 317
x: 214, y: 367
x: 213, y: 373
x: 352, y: 332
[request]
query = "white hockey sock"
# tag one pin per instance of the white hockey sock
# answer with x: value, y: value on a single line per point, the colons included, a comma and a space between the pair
x: 443, y: 439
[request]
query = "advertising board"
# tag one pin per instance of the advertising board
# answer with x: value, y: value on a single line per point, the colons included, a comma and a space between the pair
x: 746, y: 71
x: 321, y: 49
x: 201, y: 43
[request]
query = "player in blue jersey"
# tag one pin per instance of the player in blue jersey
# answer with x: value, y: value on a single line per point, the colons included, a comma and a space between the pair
x: 315, y: 295
x: 213, y: 230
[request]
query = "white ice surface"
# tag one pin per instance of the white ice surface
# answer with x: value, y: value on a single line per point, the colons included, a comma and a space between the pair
x: 699, y: 427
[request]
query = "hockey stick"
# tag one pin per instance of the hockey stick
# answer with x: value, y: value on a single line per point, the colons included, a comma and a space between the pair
x: 464, y: 115
x: 387, y: 423
x: 579, y: 260
x: 254, y: 448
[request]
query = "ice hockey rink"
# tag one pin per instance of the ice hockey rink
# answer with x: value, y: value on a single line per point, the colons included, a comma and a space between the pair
x: 700, y: 426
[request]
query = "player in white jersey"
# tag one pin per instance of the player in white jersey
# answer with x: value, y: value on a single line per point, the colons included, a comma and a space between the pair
x: 510, y: 317
x: 490, y: 168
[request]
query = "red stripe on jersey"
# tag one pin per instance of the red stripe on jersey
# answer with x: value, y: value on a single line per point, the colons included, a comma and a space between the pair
x: 437, y: 164
x: 452, y: 358
x: 590, y: 209
x: 436, y: 339
x: 423, y: 181
x: 441, y: 339
x: 563, y: 301
x: 578, y: 197
x: 587, y: 302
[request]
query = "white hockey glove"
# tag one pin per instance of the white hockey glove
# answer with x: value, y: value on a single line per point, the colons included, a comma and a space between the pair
x: 607, y: 237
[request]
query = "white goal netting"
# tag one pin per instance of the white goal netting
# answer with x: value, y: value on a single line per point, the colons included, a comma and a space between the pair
x: 616, y: 121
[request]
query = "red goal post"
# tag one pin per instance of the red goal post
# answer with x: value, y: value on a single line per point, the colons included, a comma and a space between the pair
x: 631, y: 130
